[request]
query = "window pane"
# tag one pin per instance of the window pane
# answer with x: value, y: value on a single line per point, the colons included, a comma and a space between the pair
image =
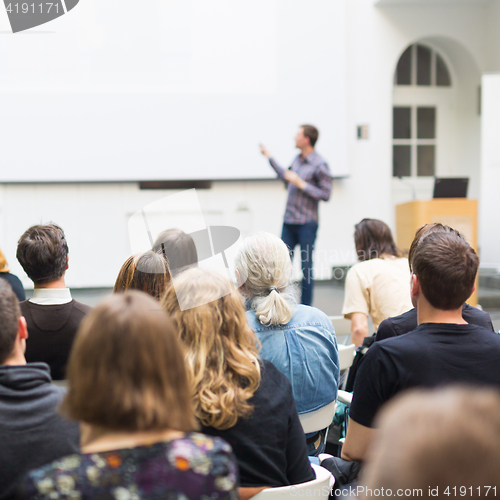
x: 423, y: 65
x: 403, y: 71
x: 401, y: 125
x: 442, y: 75
x: 425, y: 160
x: 401, y: 161
x: 426, y: 123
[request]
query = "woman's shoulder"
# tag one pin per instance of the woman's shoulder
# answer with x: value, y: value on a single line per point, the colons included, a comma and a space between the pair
x: 49, y: 479
x: 311, y: 314
x: 272, y: 380
x: 208, y: 443
x: 374, y: 266
x: 82, y: 472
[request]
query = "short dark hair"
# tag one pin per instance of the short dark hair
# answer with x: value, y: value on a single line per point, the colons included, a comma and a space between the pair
x: 311, y: 132
x: 435, y: 227
x: 126, y: 370
x: 10, y: 312
x: 42, y: 252
x: 373, y: 238
x: 178, y: 248
x: 446, y: 267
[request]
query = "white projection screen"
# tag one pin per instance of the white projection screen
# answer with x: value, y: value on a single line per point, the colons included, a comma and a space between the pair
x: 130, y: 90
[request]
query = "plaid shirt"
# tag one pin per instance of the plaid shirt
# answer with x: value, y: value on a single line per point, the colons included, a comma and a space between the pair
x: 302, y: 205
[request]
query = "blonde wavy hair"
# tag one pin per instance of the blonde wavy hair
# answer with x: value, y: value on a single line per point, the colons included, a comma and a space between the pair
x: 263, y: 262
x: 222, y: 350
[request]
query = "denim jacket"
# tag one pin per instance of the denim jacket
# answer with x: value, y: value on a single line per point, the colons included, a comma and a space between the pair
x: 305, y: 350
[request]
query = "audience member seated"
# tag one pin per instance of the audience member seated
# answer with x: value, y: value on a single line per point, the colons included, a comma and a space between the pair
x: 128, y: 386
x: 407, y: 322
x: 178, y: 248
x: 12, y: 279
x: 52, y: 315
x: 299, y: 340
x: 246, y: 401
x: 439, y: 444
x: 379, y: 284
x: 444, y: 348
x: 147, y: 272
x: 31, y: 432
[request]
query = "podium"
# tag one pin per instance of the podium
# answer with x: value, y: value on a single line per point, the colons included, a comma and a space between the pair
x: 458, y: 213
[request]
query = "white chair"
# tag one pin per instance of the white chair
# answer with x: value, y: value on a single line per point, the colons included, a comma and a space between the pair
x: 344, y: 397
x: 60, y: 383
x: 341, y: 325
x: 317, y: 420
x: 317, y: 488
x: 346, y: 356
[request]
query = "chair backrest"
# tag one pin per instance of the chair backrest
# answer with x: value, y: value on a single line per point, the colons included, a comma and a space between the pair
x: 317, y: 488
x: 318, y: 419
x: 60, y: 383
x: 342, y: 326
x: 346, y: 356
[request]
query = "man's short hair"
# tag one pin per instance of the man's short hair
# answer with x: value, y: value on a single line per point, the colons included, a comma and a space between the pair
x: 311, y: 132
x: 446, y: 267
x: 10, y: 312
x: 42, y: 252
x: 435, y: 227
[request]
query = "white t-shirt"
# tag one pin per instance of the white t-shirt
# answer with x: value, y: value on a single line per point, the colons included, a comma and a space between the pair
x: 379, y: 288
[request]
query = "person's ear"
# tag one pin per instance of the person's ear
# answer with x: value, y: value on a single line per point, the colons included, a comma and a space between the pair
x: 67, y: 262
x: 473, y: 290
x: 22, y: 328
x: 414, y: 286
x: 240, y: 284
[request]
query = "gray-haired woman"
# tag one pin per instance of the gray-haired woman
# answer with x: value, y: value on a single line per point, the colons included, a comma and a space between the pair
x: 299, y: 340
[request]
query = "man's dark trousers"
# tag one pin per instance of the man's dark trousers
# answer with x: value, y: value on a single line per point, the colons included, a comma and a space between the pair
x: 305, y: 236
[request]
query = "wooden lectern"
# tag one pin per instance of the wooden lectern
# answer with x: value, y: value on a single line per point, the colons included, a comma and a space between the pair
x: 458, y: 213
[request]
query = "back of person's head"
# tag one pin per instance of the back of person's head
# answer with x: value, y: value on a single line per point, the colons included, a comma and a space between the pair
x: 311, y: 132
x: 373, y: 239
x: 428, y: 439
x: 10, y: 312
x: 147, y: 272
x: 4, y: 267
x: 435, y: 227
x: 178, y: 248
x: 446, y: 268
x: 126, y: 370
x: 222, y: 353
x: 42, y: 252
x: 264, y: 266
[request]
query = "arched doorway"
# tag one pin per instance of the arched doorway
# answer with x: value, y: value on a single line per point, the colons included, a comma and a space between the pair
x: 436, y: 124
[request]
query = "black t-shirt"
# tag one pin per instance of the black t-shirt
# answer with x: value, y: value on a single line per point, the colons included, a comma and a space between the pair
x: 269, y: 445
x: 407, y: 322
x: 434, y: 354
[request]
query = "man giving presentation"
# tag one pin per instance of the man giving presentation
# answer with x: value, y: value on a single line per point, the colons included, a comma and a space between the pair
x: 308, y: 180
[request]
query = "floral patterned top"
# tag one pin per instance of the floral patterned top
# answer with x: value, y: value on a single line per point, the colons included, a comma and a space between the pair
x: 192, y: 467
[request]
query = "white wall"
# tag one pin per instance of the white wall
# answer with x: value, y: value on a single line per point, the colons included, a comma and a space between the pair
x: 178, y: 89
x: 95, y: 215
x: 490, y: 199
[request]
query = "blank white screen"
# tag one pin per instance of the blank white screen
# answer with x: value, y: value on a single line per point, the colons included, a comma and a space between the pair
x: 171, y: 89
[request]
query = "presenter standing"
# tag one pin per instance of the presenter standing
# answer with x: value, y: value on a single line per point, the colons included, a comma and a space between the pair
x: 308, y: 180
